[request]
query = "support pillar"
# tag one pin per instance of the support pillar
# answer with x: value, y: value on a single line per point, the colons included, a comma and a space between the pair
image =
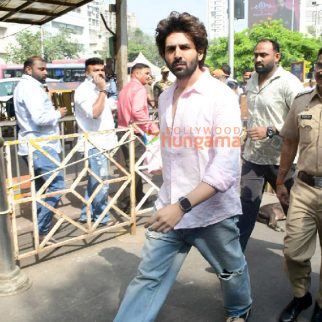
x: 12, y: 280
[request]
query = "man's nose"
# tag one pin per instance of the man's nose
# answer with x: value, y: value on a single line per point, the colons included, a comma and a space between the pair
x: 258, y: 58
x: 177, y: 52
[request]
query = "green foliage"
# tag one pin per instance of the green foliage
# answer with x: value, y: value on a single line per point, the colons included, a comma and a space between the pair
x: 55, y: 47
x: 138, y: 42
x: 294, y: 46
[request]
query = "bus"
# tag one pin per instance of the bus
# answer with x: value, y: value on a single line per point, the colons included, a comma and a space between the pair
x: 68, y: 71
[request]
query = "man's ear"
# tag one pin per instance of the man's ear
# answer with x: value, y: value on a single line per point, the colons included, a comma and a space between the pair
x: 200, y: 56
x: 28, y: 70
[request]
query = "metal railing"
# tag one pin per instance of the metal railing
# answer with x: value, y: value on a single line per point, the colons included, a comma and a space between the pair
x: 23, y: 197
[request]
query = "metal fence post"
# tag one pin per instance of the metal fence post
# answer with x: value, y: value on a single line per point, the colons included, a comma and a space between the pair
x: 12, y: 280
x: 133, y: 174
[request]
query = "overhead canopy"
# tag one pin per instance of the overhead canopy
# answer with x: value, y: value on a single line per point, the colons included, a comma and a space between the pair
x: 36, y: 12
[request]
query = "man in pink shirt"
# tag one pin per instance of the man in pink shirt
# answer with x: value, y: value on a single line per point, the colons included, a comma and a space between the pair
x: 132, y: 106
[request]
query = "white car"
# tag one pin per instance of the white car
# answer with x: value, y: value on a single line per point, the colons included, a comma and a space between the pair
x: 7, y: 86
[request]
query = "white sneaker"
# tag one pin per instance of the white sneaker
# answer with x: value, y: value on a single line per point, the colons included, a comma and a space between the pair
x: 242, y: 318
x: 235, y: 319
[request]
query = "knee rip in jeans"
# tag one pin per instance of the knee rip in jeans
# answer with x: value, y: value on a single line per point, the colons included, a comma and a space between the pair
x: 226, y: 276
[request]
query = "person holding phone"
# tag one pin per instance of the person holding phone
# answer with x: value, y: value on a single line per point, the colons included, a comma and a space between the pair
x: 93, y: 112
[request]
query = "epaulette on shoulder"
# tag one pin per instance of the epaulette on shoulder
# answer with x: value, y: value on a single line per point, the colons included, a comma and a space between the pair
x: 306, y: 91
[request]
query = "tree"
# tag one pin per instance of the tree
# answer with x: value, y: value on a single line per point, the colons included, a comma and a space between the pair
x: 294, y: 46
x: 138, y: 42
x: 55, y: 47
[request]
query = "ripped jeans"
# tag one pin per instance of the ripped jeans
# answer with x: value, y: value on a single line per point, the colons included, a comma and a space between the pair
x: 99, y: 164
x: 162, y: 258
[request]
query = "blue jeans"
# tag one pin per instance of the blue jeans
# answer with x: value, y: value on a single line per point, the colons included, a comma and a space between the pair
x: 162, y: 258
x: 42, y: 165
x: 99, y: 164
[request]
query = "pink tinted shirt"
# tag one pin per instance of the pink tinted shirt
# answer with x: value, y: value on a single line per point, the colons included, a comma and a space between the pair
x: 202, y: 145
x: 133, y: 106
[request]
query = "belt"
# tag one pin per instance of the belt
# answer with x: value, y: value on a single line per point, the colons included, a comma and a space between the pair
x: 312, y: 181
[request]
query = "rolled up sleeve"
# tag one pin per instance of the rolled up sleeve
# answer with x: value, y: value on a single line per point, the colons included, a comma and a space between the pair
x: 223, y: 168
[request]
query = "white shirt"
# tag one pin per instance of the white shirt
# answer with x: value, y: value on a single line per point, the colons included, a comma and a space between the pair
x: 269, y: 106
x: 206, y: 108
x: 85, y: 96
x: 35, y: 113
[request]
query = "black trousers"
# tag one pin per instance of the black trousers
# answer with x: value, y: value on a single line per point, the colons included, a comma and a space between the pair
x: 253, y: 180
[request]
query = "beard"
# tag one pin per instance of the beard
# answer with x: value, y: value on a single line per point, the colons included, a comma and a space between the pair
x: 264, y: 69
x: 182, y: 69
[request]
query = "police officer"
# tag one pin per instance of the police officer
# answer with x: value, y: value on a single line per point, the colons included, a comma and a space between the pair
x: 301, y: 132
x: 160, y: 86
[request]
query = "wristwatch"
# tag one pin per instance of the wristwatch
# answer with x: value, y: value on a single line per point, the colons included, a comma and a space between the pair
x: 185, y: 204
x: 270, y: 132
x: 104, y: 90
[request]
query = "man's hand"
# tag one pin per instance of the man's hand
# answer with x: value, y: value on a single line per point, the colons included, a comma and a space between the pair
x: 63, y: 111
x: 257, y: 133
x: 155, y: 133
x: 165, y: 219
x: 100, y: 82
x: 282, y: 194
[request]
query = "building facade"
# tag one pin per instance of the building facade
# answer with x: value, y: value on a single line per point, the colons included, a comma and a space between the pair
x: 217, y: 18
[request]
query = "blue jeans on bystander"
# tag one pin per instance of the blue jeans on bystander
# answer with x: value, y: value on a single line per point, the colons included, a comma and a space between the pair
x: 99, y: 164
x: 42, y: 165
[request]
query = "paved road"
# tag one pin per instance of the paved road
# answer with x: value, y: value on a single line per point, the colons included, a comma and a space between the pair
x: 84, y: 283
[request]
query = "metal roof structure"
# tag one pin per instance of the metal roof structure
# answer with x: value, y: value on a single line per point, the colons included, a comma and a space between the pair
x: 36, y: 12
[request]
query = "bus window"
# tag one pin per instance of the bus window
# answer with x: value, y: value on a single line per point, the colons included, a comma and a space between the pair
x: 78, y: 75
x: 58, y: 73
x: 68, y: 75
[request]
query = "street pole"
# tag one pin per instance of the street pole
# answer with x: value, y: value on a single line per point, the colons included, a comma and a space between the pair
x: 293, y: 15
x: 121, y: 43
x: 12, y: 280
x: 42, y: 42
x: 231, y: 36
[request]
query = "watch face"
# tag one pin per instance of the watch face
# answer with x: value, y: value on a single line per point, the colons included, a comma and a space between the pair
x: 185, y: 204
x: 270, y: 132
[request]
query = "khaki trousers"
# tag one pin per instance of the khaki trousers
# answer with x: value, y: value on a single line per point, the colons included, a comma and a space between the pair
x: 304, y: 221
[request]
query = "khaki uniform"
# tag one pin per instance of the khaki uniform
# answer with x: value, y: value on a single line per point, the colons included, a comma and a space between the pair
x: 304, y: 219
x: 160, y: 87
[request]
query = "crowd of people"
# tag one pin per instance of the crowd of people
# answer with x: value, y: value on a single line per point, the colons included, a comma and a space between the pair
x: 210, y: 195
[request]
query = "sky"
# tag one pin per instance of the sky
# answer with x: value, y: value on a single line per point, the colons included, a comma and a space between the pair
x: 150, y: 12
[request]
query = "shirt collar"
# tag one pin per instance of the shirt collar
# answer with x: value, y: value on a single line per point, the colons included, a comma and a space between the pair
x: 30, y: 78
x: 315, y: 93
x: 133, y: 79
x: 278, y: 73
x: 199, y: 86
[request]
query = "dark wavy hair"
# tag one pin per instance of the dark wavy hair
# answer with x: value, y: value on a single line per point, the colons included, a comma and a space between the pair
x: 185, y: 23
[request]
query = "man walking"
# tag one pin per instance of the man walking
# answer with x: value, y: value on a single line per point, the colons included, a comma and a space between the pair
x: 93, y: 112
x: 198, y: 204
x: 270, y: 93
x: 302, y: 132
x: 37, y: 118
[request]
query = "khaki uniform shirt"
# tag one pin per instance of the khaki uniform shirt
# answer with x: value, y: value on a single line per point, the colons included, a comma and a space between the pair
x: 268, y: 106
x: 303, y: 123
x: 160, y: 87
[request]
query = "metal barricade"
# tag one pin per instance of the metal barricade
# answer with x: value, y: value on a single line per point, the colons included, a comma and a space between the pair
x: 23, y: 197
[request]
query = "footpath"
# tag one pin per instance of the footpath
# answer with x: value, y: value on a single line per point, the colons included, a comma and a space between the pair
x: 85, y: 282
